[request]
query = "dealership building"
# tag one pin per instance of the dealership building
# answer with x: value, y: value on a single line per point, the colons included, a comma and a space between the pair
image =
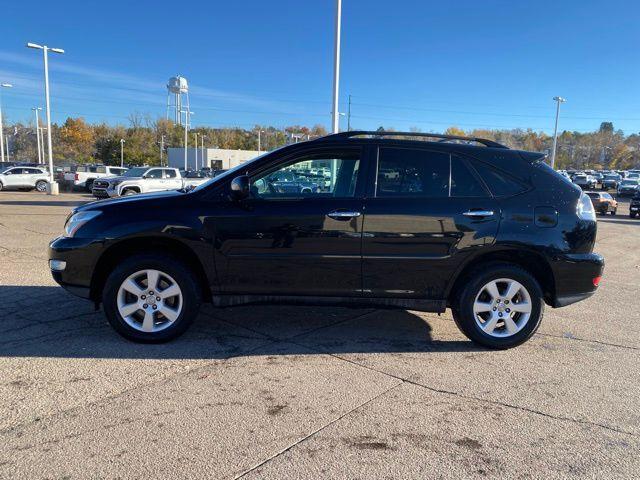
x: 215, y: 158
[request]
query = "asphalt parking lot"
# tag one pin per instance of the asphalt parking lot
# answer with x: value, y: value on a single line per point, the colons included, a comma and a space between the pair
x: 295, y: 392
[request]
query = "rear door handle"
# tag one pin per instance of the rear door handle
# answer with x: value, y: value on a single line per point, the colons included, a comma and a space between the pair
x: 478, y: 213
x: 343, y: 214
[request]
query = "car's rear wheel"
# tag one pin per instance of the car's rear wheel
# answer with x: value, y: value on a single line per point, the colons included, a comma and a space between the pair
x: 41, y: 186
x: 614, y: 211
x: 501, y: 306
x: 151, y: 298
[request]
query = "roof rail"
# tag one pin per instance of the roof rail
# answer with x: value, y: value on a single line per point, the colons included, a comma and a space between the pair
x: 443, y: 138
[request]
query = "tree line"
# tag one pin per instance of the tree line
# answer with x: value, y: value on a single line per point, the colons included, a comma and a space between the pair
x: 76, y: 141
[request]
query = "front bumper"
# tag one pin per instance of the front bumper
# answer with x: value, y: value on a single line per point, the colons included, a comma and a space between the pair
x: 575, y: 275
x: 80, y: 256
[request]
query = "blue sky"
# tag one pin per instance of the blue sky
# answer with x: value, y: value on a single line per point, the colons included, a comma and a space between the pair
x: 408, y: 63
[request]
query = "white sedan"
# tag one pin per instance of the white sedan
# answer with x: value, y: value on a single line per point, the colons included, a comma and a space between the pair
x: 24, y: 177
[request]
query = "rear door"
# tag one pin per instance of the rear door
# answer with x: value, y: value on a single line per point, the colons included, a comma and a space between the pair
x: 172, y: 180
x: 426, y: 211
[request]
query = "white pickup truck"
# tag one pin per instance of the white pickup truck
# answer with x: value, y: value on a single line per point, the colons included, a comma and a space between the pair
x: 85, y: 175
x: 143, y: 180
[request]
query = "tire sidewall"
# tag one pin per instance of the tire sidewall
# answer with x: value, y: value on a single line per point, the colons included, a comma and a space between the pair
x: 191, y: 298
x: 465, y: 317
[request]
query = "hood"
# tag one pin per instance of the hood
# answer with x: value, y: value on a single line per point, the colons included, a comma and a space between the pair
x: 133, y: 199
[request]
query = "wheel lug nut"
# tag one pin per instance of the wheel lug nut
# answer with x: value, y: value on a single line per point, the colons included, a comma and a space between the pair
x: 145, y: 306
x: 150, y: 292
x: 499, y: 314
x: 506, y: 301
x: 494, y: 309
x: 143, y: 296
x: 155, y: 306
x: 508, y: 310
x: 158, y: 299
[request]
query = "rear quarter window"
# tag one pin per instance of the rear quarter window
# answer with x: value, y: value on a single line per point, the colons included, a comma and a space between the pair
x: 499, y: 182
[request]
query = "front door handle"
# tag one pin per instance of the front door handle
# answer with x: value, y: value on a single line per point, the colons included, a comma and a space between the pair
x: 343, y: 214
x: 478, y: 213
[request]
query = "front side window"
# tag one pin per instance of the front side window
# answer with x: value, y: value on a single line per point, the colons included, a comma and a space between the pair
x: 318, y: 175
x: 15, y: 171
x: 404, y: 172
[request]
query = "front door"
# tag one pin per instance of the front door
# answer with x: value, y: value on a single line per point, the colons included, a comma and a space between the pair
x: 300, y: 231
x: 427, y: 210
x: 15, y: 178
x: 154, y: 180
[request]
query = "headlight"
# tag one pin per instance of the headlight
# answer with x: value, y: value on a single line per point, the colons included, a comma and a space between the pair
x: 585, y: 208
x: 77, y: 220
x: 115, y: 183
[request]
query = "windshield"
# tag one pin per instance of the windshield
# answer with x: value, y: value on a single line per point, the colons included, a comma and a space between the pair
x: 231, y: 172
x: 135, y: 172
x: 629, y: 182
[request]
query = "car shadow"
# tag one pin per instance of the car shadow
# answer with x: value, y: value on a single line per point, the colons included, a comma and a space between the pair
x: 620, y: 221
x: 40, y: 321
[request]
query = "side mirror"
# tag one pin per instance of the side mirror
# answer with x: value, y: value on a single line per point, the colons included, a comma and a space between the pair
x: 240, y: 188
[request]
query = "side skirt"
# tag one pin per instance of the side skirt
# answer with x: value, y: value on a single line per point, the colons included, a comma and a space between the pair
x: 435, y: 306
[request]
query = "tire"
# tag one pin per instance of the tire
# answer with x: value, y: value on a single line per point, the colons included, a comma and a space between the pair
x: 183, y: 307
x: 1, y: 186
x: 41, y: 186
x: 613, y: 212
x: 465, y: 316
x: 88, y: 185
x: 632, y: 215
x: 129, y: 191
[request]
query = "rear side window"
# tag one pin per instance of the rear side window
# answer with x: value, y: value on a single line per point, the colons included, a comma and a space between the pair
x: 463, y: 181
x: 156, y: 173
x: 500, y: 183
x: 170, y: 174
x: 101, y: 170
x: 404, y: 172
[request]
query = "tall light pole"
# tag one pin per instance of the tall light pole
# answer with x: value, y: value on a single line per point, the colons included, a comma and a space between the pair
x: 202, y: 160
x: 558, y: 101
x: 260, y: 140
x: 122, y: 153
x: 161, y: 148
x: 53, y: 186
x: 336, y: 69
x: 196, y: 150
x: 187, y: 116
x: 349, y: 115
x: 2, y: 85
x: 37, y: 115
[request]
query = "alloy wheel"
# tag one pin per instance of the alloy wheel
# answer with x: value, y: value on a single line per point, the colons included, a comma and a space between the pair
x: 149, y: 300
x: 502, y: 307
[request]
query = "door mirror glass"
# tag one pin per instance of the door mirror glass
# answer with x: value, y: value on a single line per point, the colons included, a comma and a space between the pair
x: 240, y: 187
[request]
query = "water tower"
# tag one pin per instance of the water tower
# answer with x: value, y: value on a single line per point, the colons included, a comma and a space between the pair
x: 177, y: 97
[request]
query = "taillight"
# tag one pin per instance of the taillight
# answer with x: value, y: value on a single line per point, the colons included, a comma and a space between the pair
x: 596, y: 281
x: 76, y: 176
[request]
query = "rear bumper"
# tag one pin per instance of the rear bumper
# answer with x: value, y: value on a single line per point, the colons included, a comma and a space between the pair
x: 574, y: 275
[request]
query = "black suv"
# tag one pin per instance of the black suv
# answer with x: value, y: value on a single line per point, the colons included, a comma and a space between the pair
x: 404, y: 220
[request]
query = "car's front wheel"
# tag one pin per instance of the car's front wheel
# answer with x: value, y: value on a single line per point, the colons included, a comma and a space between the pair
x: 501, y: 306
x: 151, y: 298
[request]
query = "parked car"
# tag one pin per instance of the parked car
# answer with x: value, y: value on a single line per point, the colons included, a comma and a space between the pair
x: 490, y: 232
x: 628, y: 187
x: 26, y: 178
x: 611, y: 181
x: 584, y: 181
x: 634, y: 205
x: 142, y: 180
x: 85, y: 175
x: 603, y: 203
